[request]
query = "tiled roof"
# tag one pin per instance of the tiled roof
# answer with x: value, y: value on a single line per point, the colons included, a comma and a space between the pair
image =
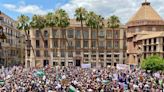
x: 151, y: 35
x: 146, y: 12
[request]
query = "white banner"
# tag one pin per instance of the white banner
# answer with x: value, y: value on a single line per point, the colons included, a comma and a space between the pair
x: 123, y: 67
x: 85, y: 65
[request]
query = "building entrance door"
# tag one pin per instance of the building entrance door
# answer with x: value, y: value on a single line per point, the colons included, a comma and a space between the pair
x: 45, y: 62
x: 78, y: 63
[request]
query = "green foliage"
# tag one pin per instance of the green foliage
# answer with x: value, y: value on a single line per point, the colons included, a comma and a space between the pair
x: 94, y: 21
x: 113, y: 22
x: 90, y: 20
x: 23, y: 23
x: 38, y: 21
x: 153, y: 63
x: 62, y: 18
x: 80, y: 14
x: 99, y: 21
x: 50, y: 20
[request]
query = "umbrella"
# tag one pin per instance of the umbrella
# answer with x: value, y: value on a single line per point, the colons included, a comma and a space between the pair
x: 2, y: 82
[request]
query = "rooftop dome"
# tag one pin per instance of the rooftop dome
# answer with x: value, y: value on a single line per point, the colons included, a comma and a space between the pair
x: 146, y: 12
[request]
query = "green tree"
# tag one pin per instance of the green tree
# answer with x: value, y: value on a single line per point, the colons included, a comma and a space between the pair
x: 50, y: 20
x: 80, y: 14
x: 99, y: 24
x: 38, y: 22
x: 153, y: 63
x: 62, y: 21
x: 91, y: 22
x: 62, y: 18
x: 24, y: 24
x: 113, y: 22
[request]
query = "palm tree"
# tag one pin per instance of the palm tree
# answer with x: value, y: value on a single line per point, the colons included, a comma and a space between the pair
x: 98, y: 24
x: 50, y: 20
x: 38, y: 22
x: 23, y: 24
x: 62, y: 20
x: 80, y: 14
x: 94, y: 21
x: 90, y: 20
x: 113, y: 23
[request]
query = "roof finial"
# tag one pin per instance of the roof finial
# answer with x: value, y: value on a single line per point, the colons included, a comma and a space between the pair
x: 146, y: 3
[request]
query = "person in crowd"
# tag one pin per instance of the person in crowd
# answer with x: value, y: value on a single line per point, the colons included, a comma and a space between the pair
x: 59, y: 79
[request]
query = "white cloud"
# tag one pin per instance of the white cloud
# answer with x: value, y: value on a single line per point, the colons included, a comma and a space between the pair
x: 9, y: 6
x: 122, y: 8
x: 26, y: 9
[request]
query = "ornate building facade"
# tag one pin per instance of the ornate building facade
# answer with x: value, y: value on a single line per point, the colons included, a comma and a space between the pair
x: 12, y: 45
x: 145, y: 34
x: 67, y: 47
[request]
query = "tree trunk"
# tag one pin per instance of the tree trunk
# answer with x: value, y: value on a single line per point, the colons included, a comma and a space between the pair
x: 42, y: 37
x: 65, y: 46
x: 82, y: 29
x: 113, y: 46
x: 28, y: 39
x: 97, y: 45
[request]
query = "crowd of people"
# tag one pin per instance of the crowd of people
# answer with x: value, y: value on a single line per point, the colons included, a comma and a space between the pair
x: 75, y: 79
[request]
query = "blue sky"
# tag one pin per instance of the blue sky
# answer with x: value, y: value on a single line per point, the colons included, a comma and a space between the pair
x: 122, y: 8
x: 14, y: 8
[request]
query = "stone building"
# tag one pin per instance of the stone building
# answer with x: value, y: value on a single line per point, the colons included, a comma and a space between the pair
x: 11, y: 48
x: 145, y: 33
x: 67, y: 47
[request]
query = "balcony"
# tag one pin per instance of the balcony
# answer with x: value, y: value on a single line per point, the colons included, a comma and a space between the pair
x: 2, y: 22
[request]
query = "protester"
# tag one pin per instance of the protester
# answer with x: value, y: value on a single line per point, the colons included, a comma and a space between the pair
x: 19, y: 79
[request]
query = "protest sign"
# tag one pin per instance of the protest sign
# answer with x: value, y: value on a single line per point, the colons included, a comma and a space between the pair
x: 122, y: 67
x: 85, y: 65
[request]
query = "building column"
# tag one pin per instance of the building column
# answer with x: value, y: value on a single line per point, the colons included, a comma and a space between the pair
x: 105, y: 59
x: 97, y: 58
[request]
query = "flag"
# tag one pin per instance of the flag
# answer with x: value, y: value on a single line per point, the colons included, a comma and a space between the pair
x: 72, y: 89
x: 2, y: 82
x: 39, y: 73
